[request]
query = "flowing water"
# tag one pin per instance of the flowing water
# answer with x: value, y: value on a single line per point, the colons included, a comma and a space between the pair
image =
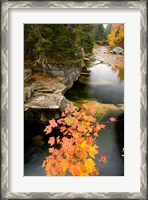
x: 101, y: 83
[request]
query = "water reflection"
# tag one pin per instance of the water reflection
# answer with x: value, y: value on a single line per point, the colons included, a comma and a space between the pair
x: 104, y: 84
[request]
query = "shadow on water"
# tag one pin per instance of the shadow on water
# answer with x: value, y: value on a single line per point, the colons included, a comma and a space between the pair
x: 36, y: 147
x: 119, y: 128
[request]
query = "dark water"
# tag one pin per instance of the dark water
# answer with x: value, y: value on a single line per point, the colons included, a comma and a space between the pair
x: 110, y: 142
x: 103, y: 84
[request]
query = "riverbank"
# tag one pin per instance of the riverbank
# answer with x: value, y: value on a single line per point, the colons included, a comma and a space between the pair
x: 104, y: 53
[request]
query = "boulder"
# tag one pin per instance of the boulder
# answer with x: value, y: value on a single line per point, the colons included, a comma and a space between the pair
x: 43, y: 107
x: 118, y: 50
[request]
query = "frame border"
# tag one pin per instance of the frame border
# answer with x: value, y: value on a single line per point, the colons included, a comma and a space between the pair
x: 142, y: 5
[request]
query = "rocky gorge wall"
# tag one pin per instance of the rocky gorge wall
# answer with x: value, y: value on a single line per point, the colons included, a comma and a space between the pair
x: 44, y: 90
x: 66, y: 74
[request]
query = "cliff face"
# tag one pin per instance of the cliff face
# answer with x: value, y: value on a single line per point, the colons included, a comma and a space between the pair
x: 44, y: 90
x: 66, y: 74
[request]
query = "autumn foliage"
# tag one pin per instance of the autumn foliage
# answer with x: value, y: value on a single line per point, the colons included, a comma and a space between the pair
x: 116, y: 36
x: 75, y: 151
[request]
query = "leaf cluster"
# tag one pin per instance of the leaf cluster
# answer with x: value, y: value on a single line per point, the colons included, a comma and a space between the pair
x: 78, y: 147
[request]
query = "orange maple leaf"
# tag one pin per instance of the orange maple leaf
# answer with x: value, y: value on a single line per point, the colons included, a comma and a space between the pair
x: 69, y: 109
x: 75, y: 170
x: 89, y: 141
x: 51, y: 150
x: 51, y: 141
x: 81, y: 128
x: 102, y: 125
x: 48, y: 129
x: 95, y: 134
x: 92, y: 110
x: 62, y: 128
x: 53, y: 123
x: 103, y: 159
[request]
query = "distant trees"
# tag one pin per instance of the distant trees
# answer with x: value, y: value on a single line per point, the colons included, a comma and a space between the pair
x: 115, y: 35
x: 101, y: 33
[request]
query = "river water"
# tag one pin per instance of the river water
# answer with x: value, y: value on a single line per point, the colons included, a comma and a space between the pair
x: 101, y: 83
x: 104, y: 84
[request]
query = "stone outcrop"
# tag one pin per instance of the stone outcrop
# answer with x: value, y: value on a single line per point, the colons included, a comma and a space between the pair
x: 118, y: 50
x: 27, y: 75
x: 47, y: 101
x: 44, y: 97
x: 66, y: 74
x: 43, y: 107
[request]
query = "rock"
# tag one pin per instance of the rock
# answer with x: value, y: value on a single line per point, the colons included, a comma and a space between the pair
x: 86, y: 59
x: 85, y: 73
x: 43, y: 107
x: 66, y: 73
x: 118, y: 50
x: 101, y: 61
x: 45, y: 101
x: 27, y: 75
x: 28, y: 92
